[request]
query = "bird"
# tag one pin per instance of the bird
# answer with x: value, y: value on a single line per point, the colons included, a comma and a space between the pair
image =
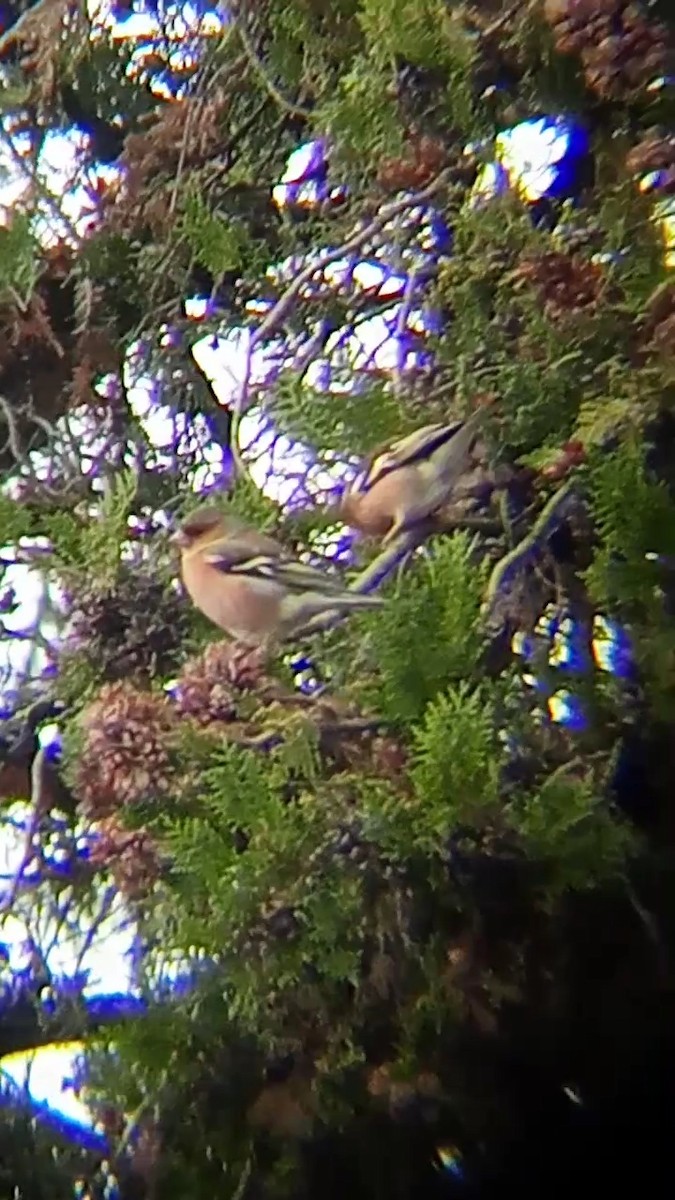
x: 406, y: 481
x: 248, y: 585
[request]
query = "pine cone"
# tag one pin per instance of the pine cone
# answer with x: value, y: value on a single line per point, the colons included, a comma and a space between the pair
x: 621, y: 50
x: 576, y: 24
x: 566, y: 282
x: 424, y: 158
x: 429, y: 151
x: 210, y: 684
x: 135, y: 626
x: 124, y: 757
x: 656, y: 152
x: 389, y: 758
x: 131, y: 856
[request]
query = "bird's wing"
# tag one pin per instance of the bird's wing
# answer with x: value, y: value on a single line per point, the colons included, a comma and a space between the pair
x: 416, y: 447
x: 294, y: 576
x: 257, y: 541
x: 232, y: 548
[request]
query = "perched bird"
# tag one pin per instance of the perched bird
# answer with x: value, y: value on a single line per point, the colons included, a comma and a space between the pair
x: 247, y: 584
x: 408, y: 480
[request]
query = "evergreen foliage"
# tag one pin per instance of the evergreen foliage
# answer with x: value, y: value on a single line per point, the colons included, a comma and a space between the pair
x: 392, y: 887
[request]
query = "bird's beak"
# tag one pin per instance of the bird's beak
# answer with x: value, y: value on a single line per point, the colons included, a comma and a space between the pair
x: 179, y: 539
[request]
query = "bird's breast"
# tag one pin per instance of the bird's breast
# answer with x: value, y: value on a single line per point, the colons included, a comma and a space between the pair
x: 374, y: 511
x: 246, y: 608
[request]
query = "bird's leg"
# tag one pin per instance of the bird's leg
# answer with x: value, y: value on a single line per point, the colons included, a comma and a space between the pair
x: 398, y: 526
x: 267, y: 648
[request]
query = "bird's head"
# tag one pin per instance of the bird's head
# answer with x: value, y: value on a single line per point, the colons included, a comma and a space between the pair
x: 207, y: 519
x: 346, y: 508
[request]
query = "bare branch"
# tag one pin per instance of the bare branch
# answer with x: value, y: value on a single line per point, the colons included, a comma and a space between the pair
x: 37, y: 810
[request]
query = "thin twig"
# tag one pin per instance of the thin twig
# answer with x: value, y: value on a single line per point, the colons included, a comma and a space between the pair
x: 554, y: 511
x: 12, y: 431
x: 367, y: 581
x: 288, y: 105
x: 401, y: 323
x: 355, y: 242
x: 292, y: 293
x: 134, y: 1118
x: 503, y: 19
x: 37, y: 810
x: 269, y: 739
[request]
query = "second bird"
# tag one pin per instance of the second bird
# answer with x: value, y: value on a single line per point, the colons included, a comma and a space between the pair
x: 408, y: 480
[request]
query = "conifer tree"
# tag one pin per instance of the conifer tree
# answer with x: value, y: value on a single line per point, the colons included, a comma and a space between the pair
x: 429, y: 922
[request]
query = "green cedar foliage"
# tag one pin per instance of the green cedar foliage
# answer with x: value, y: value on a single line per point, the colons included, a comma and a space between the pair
x: 379, y: 880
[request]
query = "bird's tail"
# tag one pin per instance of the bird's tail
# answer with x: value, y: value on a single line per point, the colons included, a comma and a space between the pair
x: 359, y: 600
x: 308, y: 606
x: 305, y: 609
x: 347, y: 601
x: 452, y: 455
